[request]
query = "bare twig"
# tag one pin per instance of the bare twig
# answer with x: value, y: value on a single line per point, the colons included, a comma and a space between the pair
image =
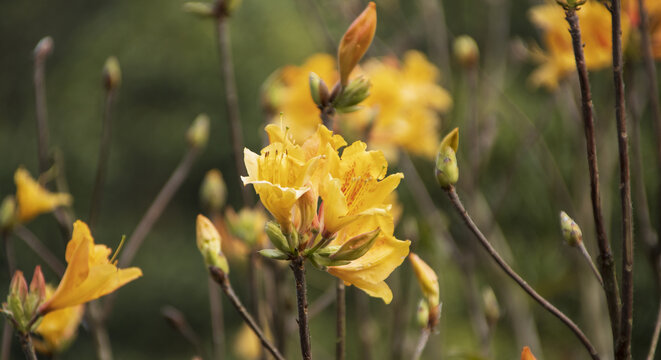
x: 41, y: 52
x: 38, y: 247
x: 298, y: 267
x: 422, y: 342
x: 221, y: 279
x: 456, y: 202
x: 605, y: 259
x: 217, y: 325
x: 623, y: 345
x: 231, y: 97
x: 28, y: 347
x: 340, y: 313
x: 178, y: 321
x: 588, y: 258
x: 104, y: 154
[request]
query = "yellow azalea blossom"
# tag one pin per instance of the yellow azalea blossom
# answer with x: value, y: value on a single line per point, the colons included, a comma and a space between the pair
x: 58, y: 328
x: 526, y: 354
x: 355, y: 187
x: 558, y: 59
x: 280, y: 175
x: 89, y: 273
x: 369, y: 271
x: 33, y: 199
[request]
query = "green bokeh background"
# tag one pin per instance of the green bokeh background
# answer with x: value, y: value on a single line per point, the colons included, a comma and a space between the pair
x: 171, y: 73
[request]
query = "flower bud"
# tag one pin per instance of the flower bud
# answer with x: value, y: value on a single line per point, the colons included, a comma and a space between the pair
x: 318, y: 90
x: 208, y: 242
x: 427, y: 279
x: 18, y: 286
x: 38, y: 284
x: 307, y: 206
x: 491, y: 308
x: 466, y: 51
x: 422, y: 313
x: 356, y: 246
x: 352, y: 95
x: 44, y: 48
x: 8, y: 213
x: 199, y: 8
x: 447, y: 171
x: 526, y: 354
x: 276, y: 236
x: 356, y: 41
x: 570, y: 230
x: 213, y: 191
x: 198, y: 132
x: 112, y: 74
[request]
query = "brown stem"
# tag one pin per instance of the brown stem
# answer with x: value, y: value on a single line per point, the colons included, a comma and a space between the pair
x: 605, y: 259
x: 231, y: 97
x: 588, y: 258
x: 422, y: 342
x: 623, y: 346
x: 28, y: 347
x: 102, y: 164
x: 298, y: 267
x: 221, y: 279
x: 40, y: 249
x: 456, y: 202
x: 341, y: 326
x: 178, y: 321
x: 152, y: 215
x: 217, y: 323
x: 43, y: 49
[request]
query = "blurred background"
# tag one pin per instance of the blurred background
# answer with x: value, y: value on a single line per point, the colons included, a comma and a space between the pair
x: 531, y: 165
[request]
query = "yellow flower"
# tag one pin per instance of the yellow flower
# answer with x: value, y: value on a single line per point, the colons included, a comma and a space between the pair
x: 427, y: 279
x: 526, y: 354
x: 89, y: 273
x: 33, y: 199
x: 356, y: 186
x: 653, y: 7
x: 58, y: 328
x: 246, y: 344
x: 280, y: 175
x: 356, y: 41
x: 558, y: 60
x: 369, y: 271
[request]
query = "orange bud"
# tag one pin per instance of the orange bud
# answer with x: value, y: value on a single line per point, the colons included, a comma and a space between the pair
x: 526, y: 354
x: 38, y: 284
x: 356, y: 41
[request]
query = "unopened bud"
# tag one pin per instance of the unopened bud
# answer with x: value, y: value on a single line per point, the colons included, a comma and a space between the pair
x: 8, y: 213
x: 277, y: 238
x: 570, y: 230
x: 18, y: 286
x: 44, y: 48
x: 213, y: 191
x: 208, y: 242
x: 38, y: 284
x: 352, y: 95
x: 307, y: 206
x: 356, y: 41
x: 427, y: 279
x: 422, y: 313
x: 356, y: 246
x: 198, y: 132
x: 526, y: 354
x: 112, y: 74
x: 199, y: 8
x: 447, y: 171
x: 318, y: 90
x: 491, y: 308
x: 466, y: 51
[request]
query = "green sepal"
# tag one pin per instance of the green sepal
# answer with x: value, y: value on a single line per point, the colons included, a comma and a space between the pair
x: 273, y: 254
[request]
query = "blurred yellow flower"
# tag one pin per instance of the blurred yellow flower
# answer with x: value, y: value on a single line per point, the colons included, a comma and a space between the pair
x: 89, y: 273
x: 33, y: 199
x: 401, y: 111
x: 369, y: 271
x: 58, y: 328
x: 248, y: 226
x: 557, y: 60
x: 653, y: 7
x: 246, y: 344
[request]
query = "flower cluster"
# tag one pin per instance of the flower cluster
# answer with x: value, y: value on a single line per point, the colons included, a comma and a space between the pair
x: 331, y: 208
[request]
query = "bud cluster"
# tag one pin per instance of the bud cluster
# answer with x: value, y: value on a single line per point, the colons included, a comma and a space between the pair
x: 23, y: 302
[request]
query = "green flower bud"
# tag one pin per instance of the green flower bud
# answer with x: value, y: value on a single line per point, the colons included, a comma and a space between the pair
x: 213, y: 191
x: 277, y: 238
x: 570, y: 230
x: 466, y: 51
x: 208, y: 242
x: 44, y: 48
x: 198, y: 132
x: 273, y: 254
x: 318, y: 90
x: 112, y: 74
x: 356, y: 246
x: 8, y: 213
x: 353, y: 94
x: 422, y: 313
x: 199, y: 8
x: 491, y: 308
x: 447, y: 171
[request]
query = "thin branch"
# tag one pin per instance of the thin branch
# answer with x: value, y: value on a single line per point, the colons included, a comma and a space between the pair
x: 655, y: 335
x: 298, y: 267
x: 152, y: 215
x: 40, y: 249
x: 422, y: 342
x: 178, y: 321
x: 340, y: 313
x: 623, y: 345
x: 102, y: 164
x: 588, y: 258
x: 231, y: 97
x: 217, y: 323
x: 456, y: 202
x: 605, y: 259
x: 41, y: 52
x: 28, y: 347
x: 221, y: 279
